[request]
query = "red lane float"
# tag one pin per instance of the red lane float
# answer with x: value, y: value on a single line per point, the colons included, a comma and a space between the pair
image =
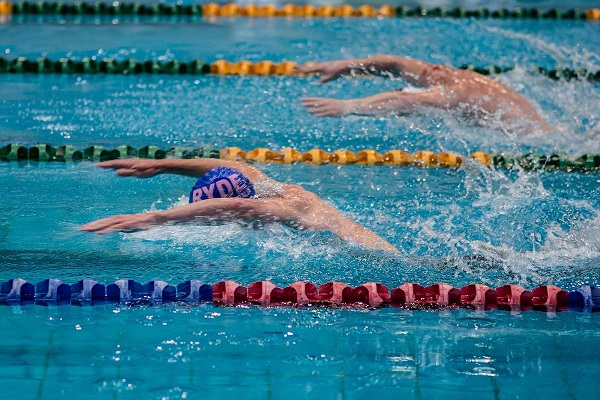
x: 330, y: 293
x: 267, y: 294
x: 229, y: 293
x: 478, y: 296
x: 514, y: 298
x: 408, y: 294
x: 550, y: 298
x: 441, y: 295
x: 305, y: 292
x: 374, y: 294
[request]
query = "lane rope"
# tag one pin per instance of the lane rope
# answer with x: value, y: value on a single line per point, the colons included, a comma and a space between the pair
x: 399, y: 158
x: 289, y: 10
x: 509, y: 297
x: 43, y: 65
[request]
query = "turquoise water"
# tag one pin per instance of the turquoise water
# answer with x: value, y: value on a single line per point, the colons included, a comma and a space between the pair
x: 472, y: 225
x: 532, y: 228
x: 224, y: 111
x: 254, y: 353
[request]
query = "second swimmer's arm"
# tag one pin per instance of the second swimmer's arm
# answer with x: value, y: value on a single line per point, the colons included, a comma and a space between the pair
x: 143, y: 168
x: 397, y: 102
x: 379, y: 104
x: 409, y: 69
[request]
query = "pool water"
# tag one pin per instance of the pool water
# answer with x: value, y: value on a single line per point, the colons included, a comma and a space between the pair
x: 471, y: 225
x: 223, y: 111
x: 274, y: 353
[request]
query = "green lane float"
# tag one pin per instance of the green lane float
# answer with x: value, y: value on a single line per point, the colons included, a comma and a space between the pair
x: 111, y: 9
x: 47, y: 153
x: 426, y: 159
x: 14, y: 152
x: 289, y: 10
x: 22, y: 65
x: 43, y: 65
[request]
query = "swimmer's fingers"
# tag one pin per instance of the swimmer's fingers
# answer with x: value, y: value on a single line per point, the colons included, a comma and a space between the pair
x: 103, y: 225
x: 127, y: 172
x: 139, y: 172
x: 335, y: 108
x: 325, y: 112
x: 328, y: 77
x: 325, y: 71
x: 327, y: 107
x: 310, y: 68
x: 312, y: 101
x: 116, y: 164
x: 133, y: 167
x: 119, y: 223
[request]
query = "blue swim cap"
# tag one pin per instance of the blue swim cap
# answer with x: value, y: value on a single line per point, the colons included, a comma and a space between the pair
x: 219, y: 183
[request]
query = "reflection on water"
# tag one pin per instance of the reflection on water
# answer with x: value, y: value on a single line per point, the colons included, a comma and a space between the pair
x: 288, y: 352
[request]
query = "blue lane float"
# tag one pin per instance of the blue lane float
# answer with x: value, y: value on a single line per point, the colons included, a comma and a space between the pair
x: 88, y: 292
x: 128, y: 292
x: 194, y: 291
x: 52, y: 292
x: 586, y: 298
x: 17, y: 291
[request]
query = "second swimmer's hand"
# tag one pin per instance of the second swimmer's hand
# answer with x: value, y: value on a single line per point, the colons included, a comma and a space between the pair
x: 122, y: 223
x: 138, y: 167
x: 322, y: 107
x: 328, y: 71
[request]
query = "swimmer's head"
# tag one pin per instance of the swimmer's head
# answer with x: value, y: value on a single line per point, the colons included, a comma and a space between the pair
x: 220, y: 183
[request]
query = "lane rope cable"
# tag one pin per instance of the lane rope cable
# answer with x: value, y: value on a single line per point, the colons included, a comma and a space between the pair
x: 43, y: 65
x: 289, y: 10
x: 399, y: 158
x: 509, y: 297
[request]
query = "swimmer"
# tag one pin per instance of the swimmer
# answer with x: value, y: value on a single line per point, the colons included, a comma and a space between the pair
x: 477, y: 97
x: 233, y: 191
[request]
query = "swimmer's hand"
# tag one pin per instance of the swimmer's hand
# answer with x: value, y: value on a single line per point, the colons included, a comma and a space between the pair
x: 122, y: 223
x: 328, y: 71
x: 322, y: 107
x: 138, y: 167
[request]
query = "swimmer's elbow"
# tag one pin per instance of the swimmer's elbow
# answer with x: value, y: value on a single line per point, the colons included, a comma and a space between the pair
x: 390, y: 248
x: 386, y: 58
x: 382, y: 57
x: 254, y: 210
x: 242, y: 208
x: 388, y: 62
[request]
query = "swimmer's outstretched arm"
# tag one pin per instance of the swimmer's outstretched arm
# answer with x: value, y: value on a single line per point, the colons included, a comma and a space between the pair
x: 236, y: 209
x: 413, y: 71
x: 144, y: 168
x: 211, y: 210
x: 380, y: 104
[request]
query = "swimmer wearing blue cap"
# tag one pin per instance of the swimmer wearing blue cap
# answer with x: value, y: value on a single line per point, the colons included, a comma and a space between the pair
x: 478, y: 98
x: 234, y: 191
